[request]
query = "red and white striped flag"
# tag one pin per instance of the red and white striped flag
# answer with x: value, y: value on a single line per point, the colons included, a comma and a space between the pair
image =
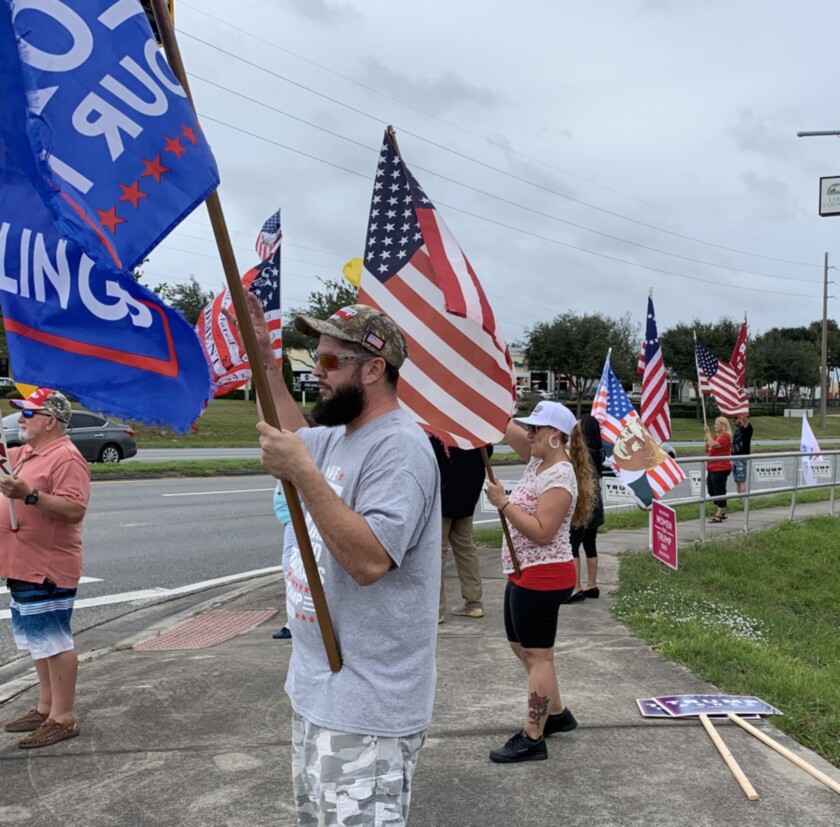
x: 738, y: 359
x: 229, y: 365
x: 458, y: 381
x: 721, y: 380
x: 655, y: 412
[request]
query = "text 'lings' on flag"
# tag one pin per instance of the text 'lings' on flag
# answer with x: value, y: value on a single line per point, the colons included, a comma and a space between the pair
x: 101, y: 156
x: 223, y: 349
x: 638, y: 460
x: 655, y: 412
x: 269, y: 237
x: 458, y: 381
x: 720, y: 379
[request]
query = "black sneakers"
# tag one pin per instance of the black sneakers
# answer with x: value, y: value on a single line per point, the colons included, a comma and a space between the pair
x: 520, y: 748
x: 562, y: 722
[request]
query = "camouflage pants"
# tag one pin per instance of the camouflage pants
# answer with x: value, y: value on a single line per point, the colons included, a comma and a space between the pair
x: 350, y: 780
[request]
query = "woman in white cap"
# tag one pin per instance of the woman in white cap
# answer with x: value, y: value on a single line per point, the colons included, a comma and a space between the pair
x: 557, y: 489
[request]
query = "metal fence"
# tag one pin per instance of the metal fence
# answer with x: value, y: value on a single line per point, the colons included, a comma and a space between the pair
x: 764, y: 468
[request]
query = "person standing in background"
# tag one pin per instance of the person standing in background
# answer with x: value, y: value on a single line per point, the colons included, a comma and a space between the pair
x: 461, y: 477
x: 741, y: 446
x: 718, y: 444
x: 587, y: 535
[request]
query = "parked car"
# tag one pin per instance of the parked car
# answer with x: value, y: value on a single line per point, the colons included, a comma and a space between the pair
x: 98, y: 439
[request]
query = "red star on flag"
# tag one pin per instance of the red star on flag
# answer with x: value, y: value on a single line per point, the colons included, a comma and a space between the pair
x: 154, y: 168
x: 110, y: 219
x: 173, y: 145
x: 189, y: 134
x: 132, y: 193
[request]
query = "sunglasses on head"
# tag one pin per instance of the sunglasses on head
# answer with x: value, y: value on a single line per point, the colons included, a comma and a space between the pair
x: 28, y: 413
x: 335, y: 361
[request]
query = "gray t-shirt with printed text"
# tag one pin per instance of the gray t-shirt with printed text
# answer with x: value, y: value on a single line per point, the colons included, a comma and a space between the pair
x: 385, y: 471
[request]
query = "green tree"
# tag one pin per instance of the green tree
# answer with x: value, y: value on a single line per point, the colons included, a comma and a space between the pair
x: 787, y: 362
x: 576, y: 345
x: 190, y: 299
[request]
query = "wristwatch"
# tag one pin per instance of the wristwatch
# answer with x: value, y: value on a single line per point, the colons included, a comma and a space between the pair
x: 31, y: 498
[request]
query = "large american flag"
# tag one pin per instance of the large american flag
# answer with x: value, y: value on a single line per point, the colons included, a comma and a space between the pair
x: 721, y: 380
x: 269, y: 237
x: 614, y: 410
x: 458, y: 380
x: 229, y: 365
x: 654, y: 408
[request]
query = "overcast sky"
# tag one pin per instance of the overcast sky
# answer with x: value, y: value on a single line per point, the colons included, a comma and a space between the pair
x: 558, y: 141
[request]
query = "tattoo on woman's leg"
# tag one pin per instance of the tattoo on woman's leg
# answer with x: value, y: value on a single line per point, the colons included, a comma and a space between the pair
x: 537, y: 708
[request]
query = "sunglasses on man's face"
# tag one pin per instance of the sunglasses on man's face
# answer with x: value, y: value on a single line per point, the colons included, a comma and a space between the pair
x: 336, y: 361
x: 27, y: 413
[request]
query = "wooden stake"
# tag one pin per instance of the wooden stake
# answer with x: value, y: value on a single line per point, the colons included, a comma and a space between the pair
x: 249, y: 340
x: 800, y: 762
x: 736, y: 770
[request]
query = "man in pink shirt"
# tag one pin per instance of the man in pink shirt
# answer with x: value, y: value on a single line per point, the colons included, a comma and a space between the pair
x: 41, y: 560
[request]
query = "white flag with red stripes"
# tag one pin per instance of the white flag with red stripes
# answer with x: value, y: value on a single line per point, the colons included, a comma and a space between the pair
x: 229, y: 365
x: 638, y: 460
x: 458, y: 381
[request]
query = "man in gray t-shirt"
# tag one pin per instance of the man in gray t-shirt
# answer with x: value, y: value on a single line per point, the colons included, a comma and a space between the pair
x: 369, y: 485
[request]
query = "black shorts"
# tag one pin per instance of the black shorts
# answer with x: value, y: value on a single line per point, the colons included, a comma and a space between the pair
x: 531, y: 616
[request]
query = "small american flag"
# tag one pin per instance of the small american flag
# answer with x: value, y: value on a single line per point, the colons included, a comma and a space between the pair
x: 269, y: 237
x: 458, y: 380
x: 721, y: 380
x: 654, y: 408
x: 613, y: 409
x: 229, y: 365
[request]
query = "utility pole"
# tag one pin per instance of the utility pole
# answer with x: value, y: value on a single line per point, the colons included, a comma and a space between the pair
x: 824, y: 359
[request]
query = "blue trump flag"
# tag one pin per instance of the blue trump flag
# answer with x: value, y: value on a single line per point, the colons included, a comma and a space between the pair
x: 101, y: 157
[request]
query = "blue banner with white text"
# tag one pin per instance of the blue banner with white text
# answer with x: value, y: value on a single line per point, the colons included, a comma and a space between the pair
x: 92, y: 175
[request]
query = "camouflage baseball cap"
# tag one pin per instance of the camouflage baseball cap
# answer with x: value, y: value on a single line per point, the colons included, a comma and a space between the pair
x: 364, y: 325
x: 53, y: 402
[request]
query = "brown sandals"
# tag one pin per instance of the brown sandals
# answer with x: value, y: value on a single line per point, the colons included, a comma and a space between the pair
x: 26, y: 723
x: 50, y: 732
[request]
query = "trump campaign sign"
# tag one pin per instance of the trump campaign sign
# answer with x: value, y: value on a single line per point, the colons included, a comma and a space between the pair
x: 101, y: 157
x: 663, y: 534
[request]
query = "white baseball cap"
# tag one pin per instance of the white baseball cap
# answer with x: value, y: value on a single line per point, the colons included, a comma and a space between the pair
x: 551, y: 414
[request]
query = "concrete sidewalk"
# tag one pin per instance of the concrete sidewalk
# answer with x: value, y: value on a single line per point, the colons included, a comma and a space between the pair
x: 201, y: 737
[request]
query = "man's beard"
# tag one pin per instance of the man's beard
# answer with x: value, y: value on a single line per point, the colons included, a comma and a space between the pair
x: 345, y: 405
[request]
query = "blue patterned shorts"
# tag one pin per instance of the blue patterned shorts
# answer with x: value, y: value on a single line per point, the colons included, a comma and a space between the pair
x: 739, y: 470
x: 41, y: 615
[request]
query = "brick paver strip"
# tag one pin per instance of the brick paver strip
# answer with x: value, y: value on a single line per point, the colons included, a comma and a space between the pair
x: 207, y: 630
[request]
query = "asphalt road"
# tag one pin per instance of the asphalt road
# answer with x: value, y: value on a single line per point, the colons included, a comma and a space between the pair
x: 144, y: 538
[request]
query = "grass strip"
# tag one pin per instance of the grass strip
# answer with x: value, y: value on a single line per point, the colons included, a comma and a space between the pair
x: 755, y: 615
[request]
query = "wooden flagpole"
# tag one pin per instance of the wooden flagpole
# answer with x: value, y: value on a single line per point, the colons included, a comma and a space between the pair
x: 249, y: 340
x: 505, y: 527
x: 800, y: 762
x: 729, y: 760
x: 699, y: 391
